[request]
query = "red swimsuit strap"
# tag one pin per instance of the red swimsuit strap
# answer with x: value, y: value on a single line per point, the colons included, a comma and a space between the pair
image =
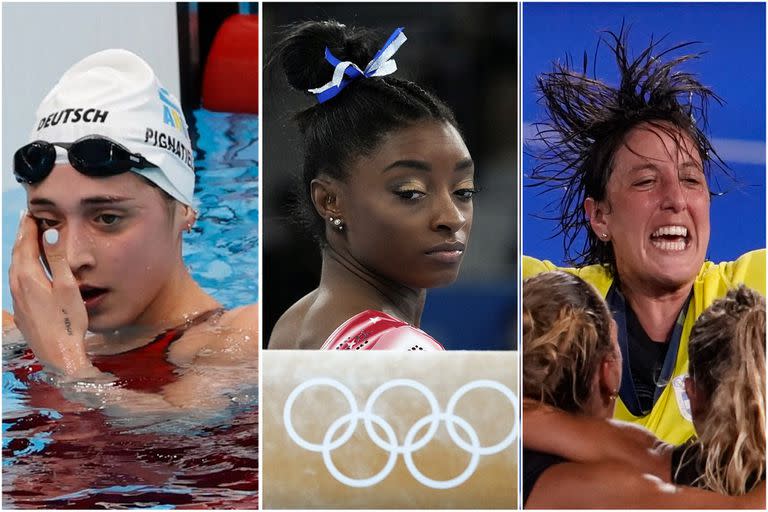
x: 146, y: 368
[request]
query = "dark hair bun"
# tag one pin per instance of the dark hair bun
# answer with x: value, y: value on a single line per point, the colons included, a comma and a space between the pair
x: 302, y: 51
x: 353, y: 122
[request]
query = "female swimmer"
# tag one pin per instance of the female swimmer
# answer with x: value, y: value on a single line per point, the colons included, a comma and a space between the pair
x: 109, y: 179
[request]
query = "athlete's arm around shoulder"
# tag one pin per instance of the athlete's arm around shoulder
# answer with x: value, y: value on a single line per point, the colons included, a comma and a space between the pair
x: 597, y: 275
x: 581, y: 438
x: 616, y: 486
x: 532, y: 266
x: 749, y: 269
x: 715, y: 279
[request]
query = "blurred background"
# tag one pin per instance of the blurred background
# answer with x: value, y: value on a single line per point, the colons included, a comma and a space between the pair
x: 732, y: 35
x: 467, y: 55
x: 207, y: 55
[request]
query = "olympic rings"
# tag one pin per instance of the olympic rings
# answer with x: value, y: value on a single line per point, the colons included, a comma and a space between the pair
x: 410, y: 445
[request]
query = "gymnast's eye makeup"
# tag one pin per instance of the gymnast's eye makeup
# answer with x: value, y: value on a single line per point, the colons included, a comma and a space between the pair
x: 409, y: 191
x: 465, y: 194
x: 410, y: 195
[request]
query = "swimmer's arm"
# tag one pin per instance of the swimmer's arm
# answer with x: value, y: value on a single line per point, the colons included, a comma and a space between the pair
x: 210, y: 387
x: 201, y: 390
x: 104, y: 394
x: 616, y: 486
x: 587, y: 439
x: 225, y: 362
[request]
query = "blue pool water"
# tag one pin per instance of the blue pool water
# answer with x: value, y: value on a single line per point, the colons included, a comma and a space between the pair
x: 65, y: 447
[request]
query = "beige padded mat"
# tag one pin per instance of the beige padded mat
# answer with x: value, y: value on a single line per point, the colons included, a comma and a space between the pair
x: 373, y: 429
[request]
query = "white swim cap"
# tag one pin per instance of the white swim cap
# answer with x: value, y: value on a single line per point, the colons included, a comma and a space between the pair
x: 116, y: 94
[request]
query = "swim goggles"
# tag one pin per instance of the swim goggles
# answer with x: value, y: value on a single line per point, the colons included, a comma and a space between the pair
x: 92, y: 155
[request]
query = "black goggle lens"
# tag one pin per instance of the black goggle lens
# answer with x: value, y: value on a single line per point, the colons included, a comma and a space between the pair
x: 99, y: 157
x: 33, y: 162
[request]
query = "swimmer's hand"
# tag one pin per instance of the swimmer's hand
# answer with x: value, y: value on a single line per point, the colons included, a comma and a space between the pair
x: 50, y: 314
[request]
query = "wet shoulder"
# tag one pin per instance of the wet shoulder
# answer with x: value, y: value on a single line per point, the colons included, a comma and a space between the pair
x: 231, y: 337
x: 243, y: 317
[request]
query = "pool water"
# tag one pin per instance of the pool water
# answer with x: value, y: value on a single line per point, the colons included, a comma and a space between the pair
x: 66, y: 446
x: 222, y: 250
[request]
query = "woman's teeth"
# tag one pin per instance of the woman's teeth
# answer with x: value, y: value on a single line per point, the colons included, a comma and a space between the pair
x: 674, y: 238
x: 669, y: 246
x: 671, y: 231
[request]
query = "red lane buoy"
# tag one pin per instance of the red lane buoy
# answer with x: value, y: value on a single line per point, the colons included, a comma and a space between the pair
x: 231, y: 78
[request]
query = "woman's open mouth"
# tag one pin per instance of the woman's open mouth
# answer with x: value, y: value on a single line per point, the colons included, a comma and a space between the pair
x: 92, y: 296
x: 671, y: 238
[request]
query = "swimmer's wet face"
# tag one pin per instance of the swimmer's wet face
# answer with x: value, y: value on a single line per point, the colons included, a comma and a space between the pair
x: 123, y: 244
x: 408, y: 205
x: 656, y: 208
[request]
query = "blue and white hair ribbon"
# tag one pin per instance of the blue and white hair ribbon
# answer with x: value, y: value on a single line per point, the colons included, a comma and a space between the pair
x: 381, y: 65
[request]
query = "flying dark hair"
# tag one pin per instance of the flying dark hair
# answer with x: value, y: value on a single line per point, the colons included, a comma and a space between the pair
x: 352, y: 123
x: 588, y: 120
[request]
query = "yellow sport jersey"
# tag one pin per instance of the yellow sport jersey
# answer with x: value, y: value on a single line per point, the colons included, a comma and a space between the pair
x: 670, y: 418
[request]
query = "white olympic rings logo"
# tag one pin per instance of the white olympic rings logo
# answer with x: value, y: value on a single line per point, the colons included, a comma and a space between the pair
x: 410, y: 445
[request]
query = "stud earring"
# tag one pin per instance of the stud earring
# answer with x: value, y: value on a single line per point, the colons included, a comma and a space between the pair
x: 604, y: 236
x: 337, y: 223
x: 189, y: 228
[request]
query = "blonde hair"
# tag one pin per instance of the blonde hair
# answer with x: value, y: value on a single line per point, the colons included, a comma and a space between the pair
x: 727, y: 364
x: 566, y: 333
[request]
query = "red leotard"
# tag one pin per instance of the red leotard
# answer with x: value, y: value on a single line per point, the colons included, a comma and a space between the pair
x: 374, y: 330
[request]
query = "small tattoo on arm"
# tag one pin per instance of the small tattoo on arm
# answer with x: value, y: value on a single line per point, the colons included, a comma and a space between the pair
x: 67, y: 323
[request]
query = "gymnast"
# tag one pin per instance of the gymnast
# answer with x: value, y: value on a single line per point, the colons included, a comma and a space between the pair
x: 387, y: 191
